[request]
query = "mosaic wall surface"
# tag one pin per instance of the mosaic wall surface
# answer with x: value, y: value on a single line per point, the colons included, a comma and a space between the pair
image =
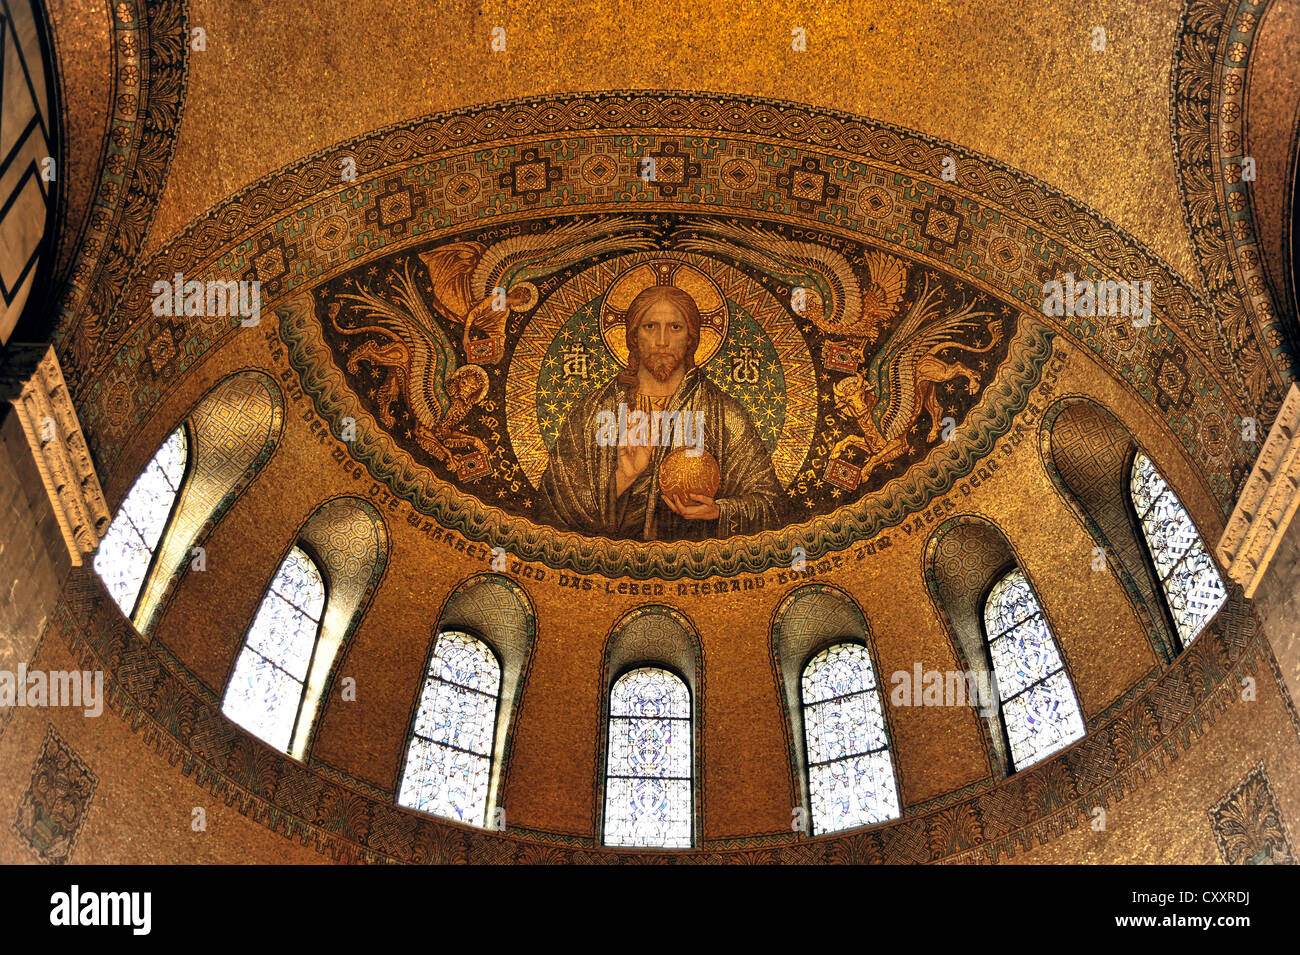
x: 845, y: 395
x: 1088, y: 454
x: 1211, y: 56
x: 234, y: 429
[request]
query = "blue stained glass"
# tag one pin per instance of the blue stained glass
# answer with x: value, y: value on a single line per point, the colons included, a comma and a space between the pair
x: 850, y: 771
x: 126, y: 551
x: 857, y: 791
x: 1042, y: 719
x: 1039, y: 708
x: 266, y: 688
x: 1191, y: 581
x: 648, y: 773
x: 1024, y: 655
x: 449, y: 763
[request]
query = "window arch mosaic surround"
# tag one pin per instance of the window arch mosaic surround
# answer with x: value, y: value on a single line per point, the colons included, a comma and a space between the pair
x: 807, y: 622
x: 235, y: 427
x: 1086, y: 452
x: 497, y: 610
x: 228, y: 437
x: 963, y: 556
x: 348, y: 541
x: 654, y: 637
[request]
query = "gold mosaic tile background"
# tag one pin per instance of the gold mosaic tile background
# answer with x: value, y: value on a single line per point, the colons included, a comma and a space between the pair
x: 278, y: 84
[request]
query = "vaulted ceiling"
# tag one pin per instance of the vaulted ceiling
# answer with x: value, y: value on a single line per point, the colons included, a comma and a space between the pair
x: 1105, y: 140
x: 1031, y: 89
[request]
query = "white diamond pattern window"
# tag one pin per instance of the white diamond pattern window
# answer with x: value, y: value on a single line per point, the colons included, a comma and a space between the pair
x: 266, y: 689
x: 850, y: 772
x: 1187, y: 573
x: 648, y: 777
x: 126, y: 552
x: 1039, y: 708
x: 449, y: 762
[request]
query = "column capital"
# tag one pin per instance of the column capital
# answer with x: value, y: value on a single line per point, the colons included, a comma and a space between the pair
x: 1267, y: 502
x: 33, y: 382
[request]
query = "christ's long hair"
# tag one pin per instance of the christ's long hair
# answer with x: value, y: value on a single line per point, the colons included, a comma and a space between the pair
x: 684, y: 304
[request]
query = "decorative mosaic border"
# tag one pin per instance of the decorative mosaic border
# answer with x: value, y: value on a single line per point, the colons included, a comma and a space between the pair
x: 1032, y: 806
x: 1017, y: 232
x: 1207, y: 116
x: 150, y: 54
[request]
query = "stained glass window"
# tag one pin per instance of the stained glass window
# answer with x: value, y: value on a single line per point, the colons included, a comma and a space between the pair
x: 1039, y: 708
x: 850, y: 772
x: 449, y: 763
x: 648, y: 773
x: 266, y: 689
x: 1190, y: 579
x: 127, y: 549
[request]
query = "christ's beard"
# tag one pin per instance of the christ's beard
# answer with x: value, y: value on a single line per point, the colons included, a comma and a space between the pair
x: 662, y: 366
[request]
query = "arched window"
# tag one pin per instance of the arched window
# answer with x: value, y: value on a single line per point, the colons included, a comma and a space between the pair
x: 850, y: 772
x: 449, y: 760
x: 1040, y: 712
x: 266, y: 688
x: 1187, y: 573
x: 648, y: 783
x: 126, y: 552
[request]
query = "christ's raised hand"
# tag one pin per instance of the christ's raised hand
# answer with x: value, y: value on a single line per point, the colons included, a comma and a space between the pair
x: 633, y: 459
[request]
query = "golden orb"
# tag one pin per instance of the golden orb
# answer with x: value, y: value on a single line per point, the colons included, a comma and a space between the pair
x: 685, y: 473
